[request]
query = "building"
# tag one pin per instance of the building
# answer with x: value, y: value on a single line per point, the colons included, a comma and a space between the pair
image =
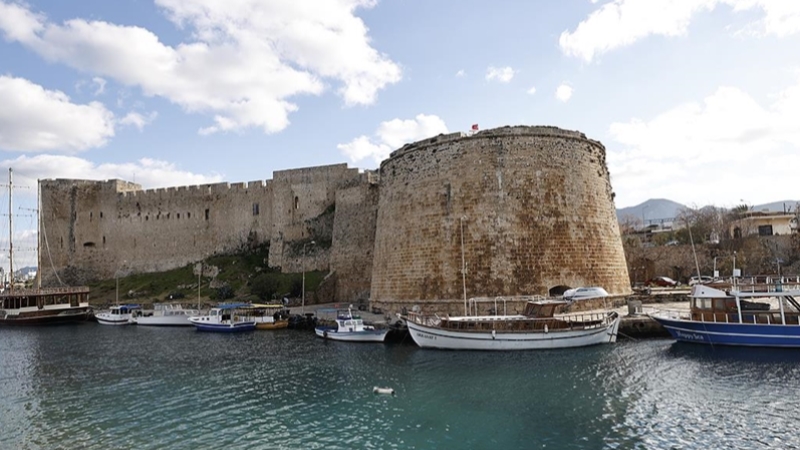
x: 530, y: 209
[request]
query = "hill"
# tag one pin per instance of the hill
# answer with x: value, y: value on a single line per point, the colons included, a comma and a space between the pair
x: 653, y: 209
x: 661, y: 208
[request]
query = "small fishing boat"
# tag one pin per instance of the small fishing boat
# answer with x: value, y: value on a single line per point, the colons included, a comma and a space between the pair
x: 224, y: 318
x: 736, y: 317
x: 538, y: 327
x: 165, y: 315
x: 267, y: 317
x: 350, y: 327
x: 117, y: 315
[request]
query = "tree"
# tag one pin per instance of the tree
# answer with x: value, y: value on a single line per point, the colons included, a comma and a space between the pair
x: 265, y: 285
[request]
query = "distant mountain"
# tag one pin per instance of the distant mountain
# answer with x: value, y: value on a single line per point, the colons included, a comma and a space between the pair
x: 787, y: 206
x: 660, y: 209
x: 655, y: 209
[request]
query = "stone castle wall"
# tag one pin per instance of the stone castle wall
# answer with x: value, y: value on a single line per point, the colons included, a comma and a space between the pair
x: 97, y: 229
x: 534, y: 203
x: 354, y: 238
x: 536, y: 208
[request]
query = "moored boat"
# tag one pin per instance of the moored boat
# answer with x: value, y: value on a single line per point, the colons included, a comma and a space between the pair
x: 165, y: 315
x: 117, y: 315
x: 538, y: 327
x: 267, y: 317
x: 736, y: 317
x: 224, y: 318
x: 39, y: 306
x: 44, y: 306
x: 351, y: 328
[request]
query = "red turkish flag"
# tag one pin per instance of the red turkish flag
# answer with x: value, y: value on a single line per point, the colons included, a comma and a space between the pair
x: 475, y: 127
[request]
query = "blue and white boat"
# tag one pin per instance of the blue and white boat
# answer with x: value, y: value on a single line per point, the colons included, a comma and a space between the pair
x: 350, y: 327
x: 224, y: 318
x: 118, y: 315
x: 756, y: 319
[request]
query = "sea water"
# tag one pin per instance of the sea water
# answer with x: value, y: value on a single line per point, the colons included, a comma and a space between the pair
x: 90, y: 386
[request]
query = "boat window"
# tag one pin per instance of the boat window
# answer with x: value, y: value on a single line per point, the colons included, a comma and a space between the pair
x: 702, y: 303
x: 719, y: 304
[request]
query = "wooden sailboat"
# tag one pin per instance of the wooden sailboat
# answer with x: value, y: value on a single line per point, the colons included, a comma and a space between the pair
x: 39, y: 306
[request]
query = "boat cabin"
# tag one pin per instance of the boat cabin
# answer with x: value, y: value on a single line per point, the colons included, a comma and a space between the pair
x: 124, y: 309
x: 544, y: 309
x: 712, y: 305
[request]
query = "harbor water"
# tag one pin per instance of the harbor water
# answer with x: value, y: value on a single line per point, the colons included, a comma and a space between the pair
x: 93, y: 387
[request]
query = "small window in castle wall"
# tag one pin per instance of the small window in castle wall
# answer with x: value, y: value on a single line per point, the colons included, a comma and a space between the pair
x: 88, y: 244
x: 296, y: 203
x: 61, y: 242
x: 90, y: 217
x: 206, y: 213
x: 188, y: 215
x: 179, y: 215
x: 255, y: 209
x: 104, y: 241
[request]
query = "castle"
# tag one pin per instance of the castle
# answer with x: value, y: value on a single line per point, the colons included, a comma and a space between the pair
x: 502, y: 212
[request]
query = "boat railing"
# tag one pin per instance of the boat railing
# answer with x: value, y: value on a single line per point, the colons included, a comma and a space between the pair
x: 498, y: 301
x: 748, y: 317
x: 517, y: 323
x: 44, y: 291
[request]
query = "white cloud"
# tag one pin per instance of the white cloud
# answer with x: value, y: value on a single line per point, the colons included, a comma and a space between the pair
x: 150, y: 173
x: 532, y: 90
x: 33, y: 119
x: 726, y: 148
x: 137, y: 120
x: 460, y: 73
x: 564, y: 92
x: 101, y: 85
x: 245, y: 61
x: 622, y: 22
x: 392, y: 135
x: 501, y: 74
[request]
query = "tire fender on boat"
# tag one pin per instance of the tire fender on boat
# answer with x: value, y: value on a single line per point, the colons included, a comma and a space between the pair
x: 545, y: 328
x: 494, y: 334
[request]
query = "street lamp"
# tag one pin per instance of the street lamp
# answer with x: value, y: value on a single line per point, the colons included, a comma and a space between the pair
x: 303, y: 263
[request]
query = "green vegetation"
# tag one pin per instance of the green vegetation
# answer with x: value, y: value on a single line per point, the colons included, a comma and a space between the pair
x: 237, y: 279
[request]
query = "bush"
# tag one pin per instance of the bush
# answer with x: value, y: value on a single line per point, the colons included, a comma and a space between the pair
x: 223, y: 293
x: 265, y: 285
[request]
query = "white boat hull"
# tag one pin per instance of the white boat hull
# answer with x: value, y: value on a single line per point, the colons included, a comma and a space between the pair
x: 434, y: 337
x: 163, y: 321
x: 377, y: 335
x: 110, y: 319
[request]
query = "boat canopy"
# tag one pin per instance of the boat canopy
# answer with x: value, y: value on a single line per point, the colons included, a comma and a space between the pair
x: 227, y: 306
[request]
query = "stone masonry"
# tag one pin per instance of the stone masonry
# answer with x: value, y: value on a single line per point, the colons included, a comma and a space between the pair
x: 535, y: 204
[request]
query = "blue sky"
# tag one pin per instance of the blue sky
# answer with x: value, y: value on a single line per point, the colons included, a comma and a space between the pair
x: 697, y: 101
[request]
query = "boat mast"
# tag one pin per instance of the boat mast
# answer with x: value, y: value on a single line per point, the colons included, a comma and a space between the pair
x: 10, y: 235
x: 38, y: 238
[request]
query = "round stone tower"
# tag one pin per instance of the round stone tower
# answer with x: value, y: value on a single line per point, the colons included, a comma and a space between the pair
x: 530, y: 209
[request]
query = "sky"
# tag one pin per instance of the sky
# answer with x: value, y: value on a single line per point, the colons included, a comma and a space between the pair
x: 697, y: 101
